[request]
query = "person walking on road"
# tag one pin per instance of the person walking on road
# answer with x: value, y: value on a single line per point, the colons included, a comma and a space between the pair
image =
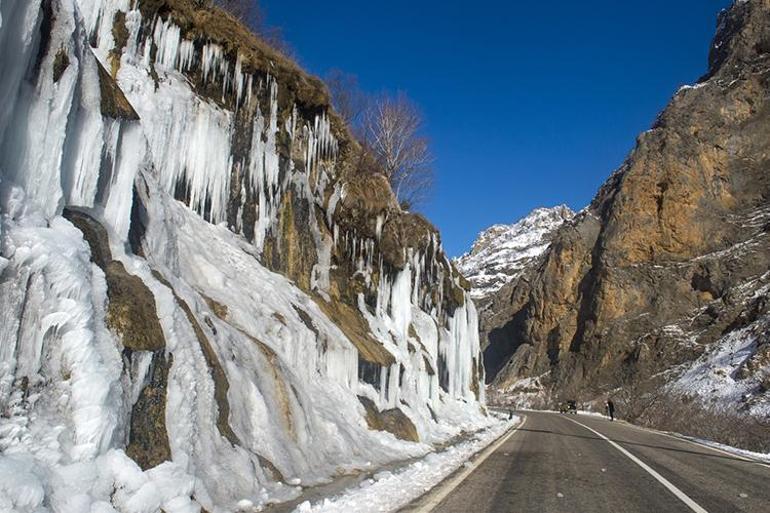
x: 611, y: 409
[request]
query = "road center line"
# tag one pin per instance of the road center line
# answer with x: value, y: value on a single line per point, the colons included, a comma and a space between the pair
x: 665, y: 482
x: 445, y: 488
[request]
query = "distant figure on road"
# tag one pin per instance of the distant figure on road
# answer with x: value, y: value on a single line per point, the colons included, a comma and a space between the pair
x: 510, y: 414
x: 611, y: 409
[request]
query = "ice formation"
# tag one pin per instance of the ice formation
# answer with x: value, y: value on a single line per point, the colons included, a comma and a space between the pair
x: 261, y: 386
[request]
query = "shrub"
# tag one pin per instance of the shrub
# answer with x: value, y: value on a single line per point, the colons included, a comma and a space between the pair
x: 686, y: 415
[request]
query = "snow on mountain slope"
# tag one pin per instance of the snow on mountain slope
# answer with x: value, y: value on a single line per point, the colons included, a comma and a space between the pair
x: 502, y: 252
x: 734, y: 370
x: 199, y: 307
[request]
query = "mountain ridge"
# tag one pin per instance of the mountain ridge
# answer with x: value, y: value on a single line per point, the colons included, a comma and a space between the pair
x: 501, y: 252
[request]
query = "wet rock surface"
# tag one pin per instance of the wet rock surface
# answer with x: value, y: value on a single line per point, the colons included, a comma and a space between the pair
x: 148, y: 441
x: 392, y: 420
x: 132, y: 314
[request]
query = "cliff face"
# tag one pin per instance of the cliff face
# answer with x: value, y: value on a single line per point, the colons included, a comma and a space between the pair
x: 673, y: 253
x: 501, y: 256
x: 203, y: 303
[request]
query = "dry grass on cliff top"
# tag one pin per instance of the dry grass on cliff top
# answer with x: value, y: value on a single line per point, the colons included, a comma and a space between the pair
x: 219, y: 26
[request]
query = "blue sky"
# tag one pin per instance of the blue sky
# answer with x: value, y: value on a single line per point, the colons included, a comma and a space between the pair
x: 527, y: 104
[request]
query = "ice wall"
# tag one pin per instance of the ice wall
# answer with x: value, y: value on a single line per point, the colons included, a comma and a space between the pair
x: 202, y: 182
x: 192, y: 139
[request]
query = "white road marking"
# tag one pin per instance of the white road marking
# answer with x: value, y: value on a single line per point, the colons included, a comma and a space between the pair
x: 443, y: 490
x: 662, y: 480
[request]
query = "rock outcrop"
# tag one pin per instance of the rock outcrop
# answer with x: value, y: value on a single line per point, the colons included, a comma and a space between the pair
x: 672, y: 255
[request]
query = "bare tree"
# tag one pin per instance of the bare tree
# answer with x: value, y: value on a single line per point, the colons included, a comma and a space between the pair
x: 348, y: 99
x: 245, y: 10
x: 392, y: 132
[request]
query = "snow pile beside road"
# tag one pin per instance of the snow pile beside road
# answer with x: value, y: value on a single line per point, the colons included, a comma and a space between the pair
x: 732, y: 450
x: 389, y: 491
x: 592, y: 414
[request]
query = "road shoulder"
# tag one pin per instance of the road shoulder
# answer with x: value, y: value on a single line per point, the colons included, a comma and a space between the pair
x: 433, y: 497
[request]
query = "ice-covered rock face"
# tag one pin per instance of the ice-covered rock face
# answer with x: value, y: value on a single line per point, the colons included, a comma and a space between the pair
x: 502, y: 252
x: 195, y: 287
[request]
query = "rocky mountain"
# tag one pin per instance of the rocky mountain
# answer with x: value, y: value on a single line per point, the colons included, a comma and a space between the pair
x: 667, y: 270
x: 204, y: 306
x: 501, y: 253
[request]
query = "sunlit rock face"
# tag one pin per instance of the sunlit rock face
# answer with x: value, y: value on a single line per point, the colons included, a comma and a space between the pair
x: 202, y: 302
x: 672, y: 255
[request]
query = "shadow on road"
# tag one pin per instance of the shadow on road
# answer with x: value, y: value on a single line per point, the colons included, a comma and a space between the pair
x: 639, y: 444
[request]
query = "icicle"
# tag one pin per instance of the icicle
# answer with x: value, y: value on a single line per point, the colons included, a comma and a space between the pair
x: 380, y: 223
x: 211, y: 62
x: 401, y: 301
x: 186, y: 55
x: 263, y: 167
x: 167, y: 38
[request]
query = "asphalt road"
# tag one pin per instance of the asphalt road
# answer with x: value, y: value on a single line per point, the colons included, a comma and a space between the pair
x: 554, y: 464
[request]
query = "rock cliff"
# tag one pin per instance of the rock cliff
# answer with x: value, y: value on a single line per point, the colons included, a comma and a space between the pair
x: 671, y: 258
x: 500, y: 257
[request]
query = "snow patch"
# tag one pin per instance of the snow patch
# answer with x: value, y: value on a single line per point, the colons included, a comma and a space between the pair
x: 501, y: 253
x: 390, y: 491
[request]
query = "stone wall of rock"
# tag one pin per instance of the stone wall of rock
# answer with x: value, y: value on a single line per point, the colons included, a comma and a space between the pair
x: 668, y: 255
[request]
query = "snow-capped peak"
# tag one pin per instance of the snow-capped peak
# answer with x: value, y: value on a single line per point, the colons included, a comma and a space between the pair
x: 502, y: 252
